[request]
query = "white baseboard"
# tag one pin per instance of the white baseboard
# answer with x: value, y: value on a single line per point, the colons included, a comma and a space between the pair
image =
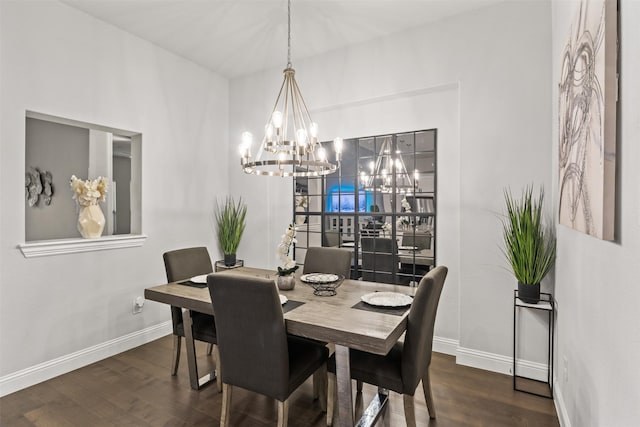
x: 489, y: 361
x: 61, y: 365
x: 445, y: 345
x: 561, y: 408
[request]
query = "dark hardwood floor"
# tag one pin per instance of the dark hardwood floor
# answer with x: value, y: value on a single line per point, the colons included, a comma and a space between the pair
x: 135, y: 388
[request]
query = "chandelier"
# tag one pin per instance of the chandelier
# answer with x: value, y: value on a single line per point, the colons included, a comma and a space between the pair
x: 381, y: 171
x: 290, y: 145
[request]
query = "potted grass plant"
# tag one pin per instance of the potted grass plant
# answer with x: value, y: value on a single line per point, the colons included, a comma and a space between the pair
x: 529, y: 244
x: 230, y: 219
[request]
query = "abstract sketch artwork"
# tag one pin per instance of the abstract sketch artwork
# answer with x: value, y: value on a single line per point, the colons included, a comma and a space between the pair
x: 587, y: 120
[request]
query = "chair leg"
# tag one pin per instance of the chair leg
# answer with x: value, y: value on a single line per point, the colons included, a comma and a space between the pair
x: 331, y: 397
x: 175, y: 360
x: 409, y: 410
x: 209, y: 349
x: 226, y: 405
x: 320, y: 386
x: 428, y: 397
x: 283, y: 413
x: 216, y: 359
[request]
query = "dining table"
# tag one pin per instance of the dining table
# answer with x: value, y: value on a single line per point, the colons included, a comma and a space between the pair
x: 343, y: 320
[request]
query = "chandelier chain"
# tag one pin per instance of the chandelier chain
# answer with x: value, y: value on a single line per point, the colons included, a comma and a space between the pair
x: 289, y: 34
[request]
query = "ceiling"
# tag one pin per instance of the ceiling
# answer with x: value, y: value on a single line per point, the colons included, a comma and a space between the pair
x: 237, y: 37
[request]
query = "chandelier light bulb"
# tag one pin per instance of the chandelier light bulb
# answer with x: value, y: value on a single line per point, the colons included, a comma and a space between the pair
x: 276, y: 119
x: 268, y: 131
x: 301, y: 137
x: 313, y: 129
x: 322, y: 154
x: 247, y: 139
x: 372, y: 166
x: 416, y: 175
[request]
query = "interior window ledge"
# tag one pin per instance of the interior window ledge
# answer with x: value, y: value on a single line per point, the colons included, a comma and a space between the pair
x: 71, y: 246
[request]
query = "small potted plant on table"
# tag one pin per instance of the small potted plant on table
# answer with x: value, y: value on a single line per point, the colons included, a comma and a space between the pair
x: 529, y: 245
x: 230, y: 219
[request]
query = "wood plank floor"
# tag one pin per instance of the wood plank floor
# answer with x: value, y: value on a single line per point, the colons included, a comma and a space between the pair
x: 135, y: 388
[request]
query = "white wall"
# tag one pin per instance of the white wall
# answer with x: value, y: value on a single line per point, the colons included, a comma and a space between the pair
x: 483, y: 80
x: 597, y: 290
x: 59, y: 61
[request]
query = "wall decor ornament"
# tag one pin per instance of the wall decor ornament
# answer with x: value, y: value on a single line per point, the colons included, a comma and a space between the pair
x: 88, y: 194
x: 38, y: 186
x: 587, y: 120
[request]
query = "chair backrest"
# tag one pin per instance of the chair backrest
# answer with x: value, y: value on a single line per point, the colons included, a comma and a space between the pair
x: 182, y: 264
x: 378, y: 259
x: 330, y: 239
x: 252, y: 337
x: 418, y: 341
x: 328, y: 260
x: 420, y: 240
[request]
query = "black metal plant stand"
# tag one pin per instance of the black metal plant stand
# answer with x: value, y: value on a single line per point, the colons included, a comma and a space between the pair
x: 546, y: 304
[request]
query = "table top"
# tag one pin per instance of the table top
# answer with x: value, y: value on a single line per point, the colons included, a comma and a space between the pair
x: 329, y: 319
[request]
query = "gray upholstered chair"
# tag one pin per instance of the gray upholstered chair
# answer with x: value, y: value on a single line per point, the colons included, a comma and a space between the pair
x: 255, y: 350
x: 378, y: 255
x: 419, y: 240
x: 408, y: 361
x: 328, y: 260
x: 182, y: 264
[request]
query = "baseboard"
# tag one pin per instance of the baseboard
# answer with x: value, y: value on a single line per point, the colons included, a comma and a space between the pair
x: 61, y: 365
x: 501, y: 364
x: 561, y: 408
x: 445, y: 345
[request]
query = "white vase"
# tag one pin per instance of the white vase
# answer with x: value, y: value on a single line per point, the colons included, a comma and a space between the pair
x: 91, y: 221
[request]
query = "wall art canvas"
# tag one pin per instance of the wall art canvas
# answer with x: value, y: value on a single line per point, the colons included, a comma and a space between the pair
x: 587, y: 120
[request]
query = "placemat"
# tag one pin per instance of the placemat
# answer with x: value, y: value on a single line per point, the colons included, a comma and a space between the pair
x: 193, y: 284
x: 397, y: 311
x: 290, y: 305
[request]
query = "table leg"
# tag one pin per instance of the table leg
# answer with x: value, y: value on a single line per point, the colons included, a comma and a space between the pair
x: 194, y: 380
x: 191, y: 349
x: 343, y: 378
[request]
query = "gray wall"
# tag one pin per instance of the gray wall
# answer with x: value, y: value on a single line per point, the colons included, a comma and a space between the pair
x: 122, y: 178
x: 62, y: 150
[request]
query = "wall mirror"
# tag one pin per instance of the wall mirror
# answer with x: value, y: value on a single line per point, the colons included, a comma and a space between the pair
x: 381, y: 203
x: 59, y: 148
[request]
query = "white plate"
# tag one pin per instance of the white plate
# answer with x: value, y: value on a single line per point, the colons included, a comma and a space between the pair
x: 387, y: 299
x: 283, y: 299
x: 199, y: 279
x: 319, y: 278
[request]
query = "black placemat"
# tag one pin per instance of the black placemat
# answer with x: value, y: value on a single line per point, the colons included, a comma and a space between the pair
x: 193, y: 284
x: 290, y: 305
x: 397, y: 311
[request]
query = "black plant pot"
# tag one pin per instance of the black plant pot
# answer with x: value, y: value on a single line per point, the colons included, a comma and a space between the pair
x: 229, y: 260
x: 529, y: 293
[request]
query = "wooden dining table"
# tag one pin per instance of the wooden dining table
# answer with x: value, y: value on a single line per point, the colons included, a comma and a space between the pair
x: 343, y: 320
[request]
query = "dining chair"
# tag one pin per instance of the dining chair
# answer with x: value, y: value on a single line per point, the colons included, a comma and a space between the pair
x: 328, y: 260
x: 255, y: 350
x: 182, y: 264
x: 333, y: 261
x: 408, y: 362
x: 419, y: 240
x: 378, y: 261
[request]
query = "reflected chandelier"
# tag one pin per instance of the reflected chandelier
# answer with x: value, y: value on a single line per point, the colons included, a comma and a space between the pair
x: 290, y: 145
x: 380, y: 176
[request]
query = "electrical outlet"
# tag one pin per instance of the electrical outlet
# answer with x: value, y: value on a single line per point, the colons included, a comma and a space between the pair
x: 565, y: 369
x: 138, y: 304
